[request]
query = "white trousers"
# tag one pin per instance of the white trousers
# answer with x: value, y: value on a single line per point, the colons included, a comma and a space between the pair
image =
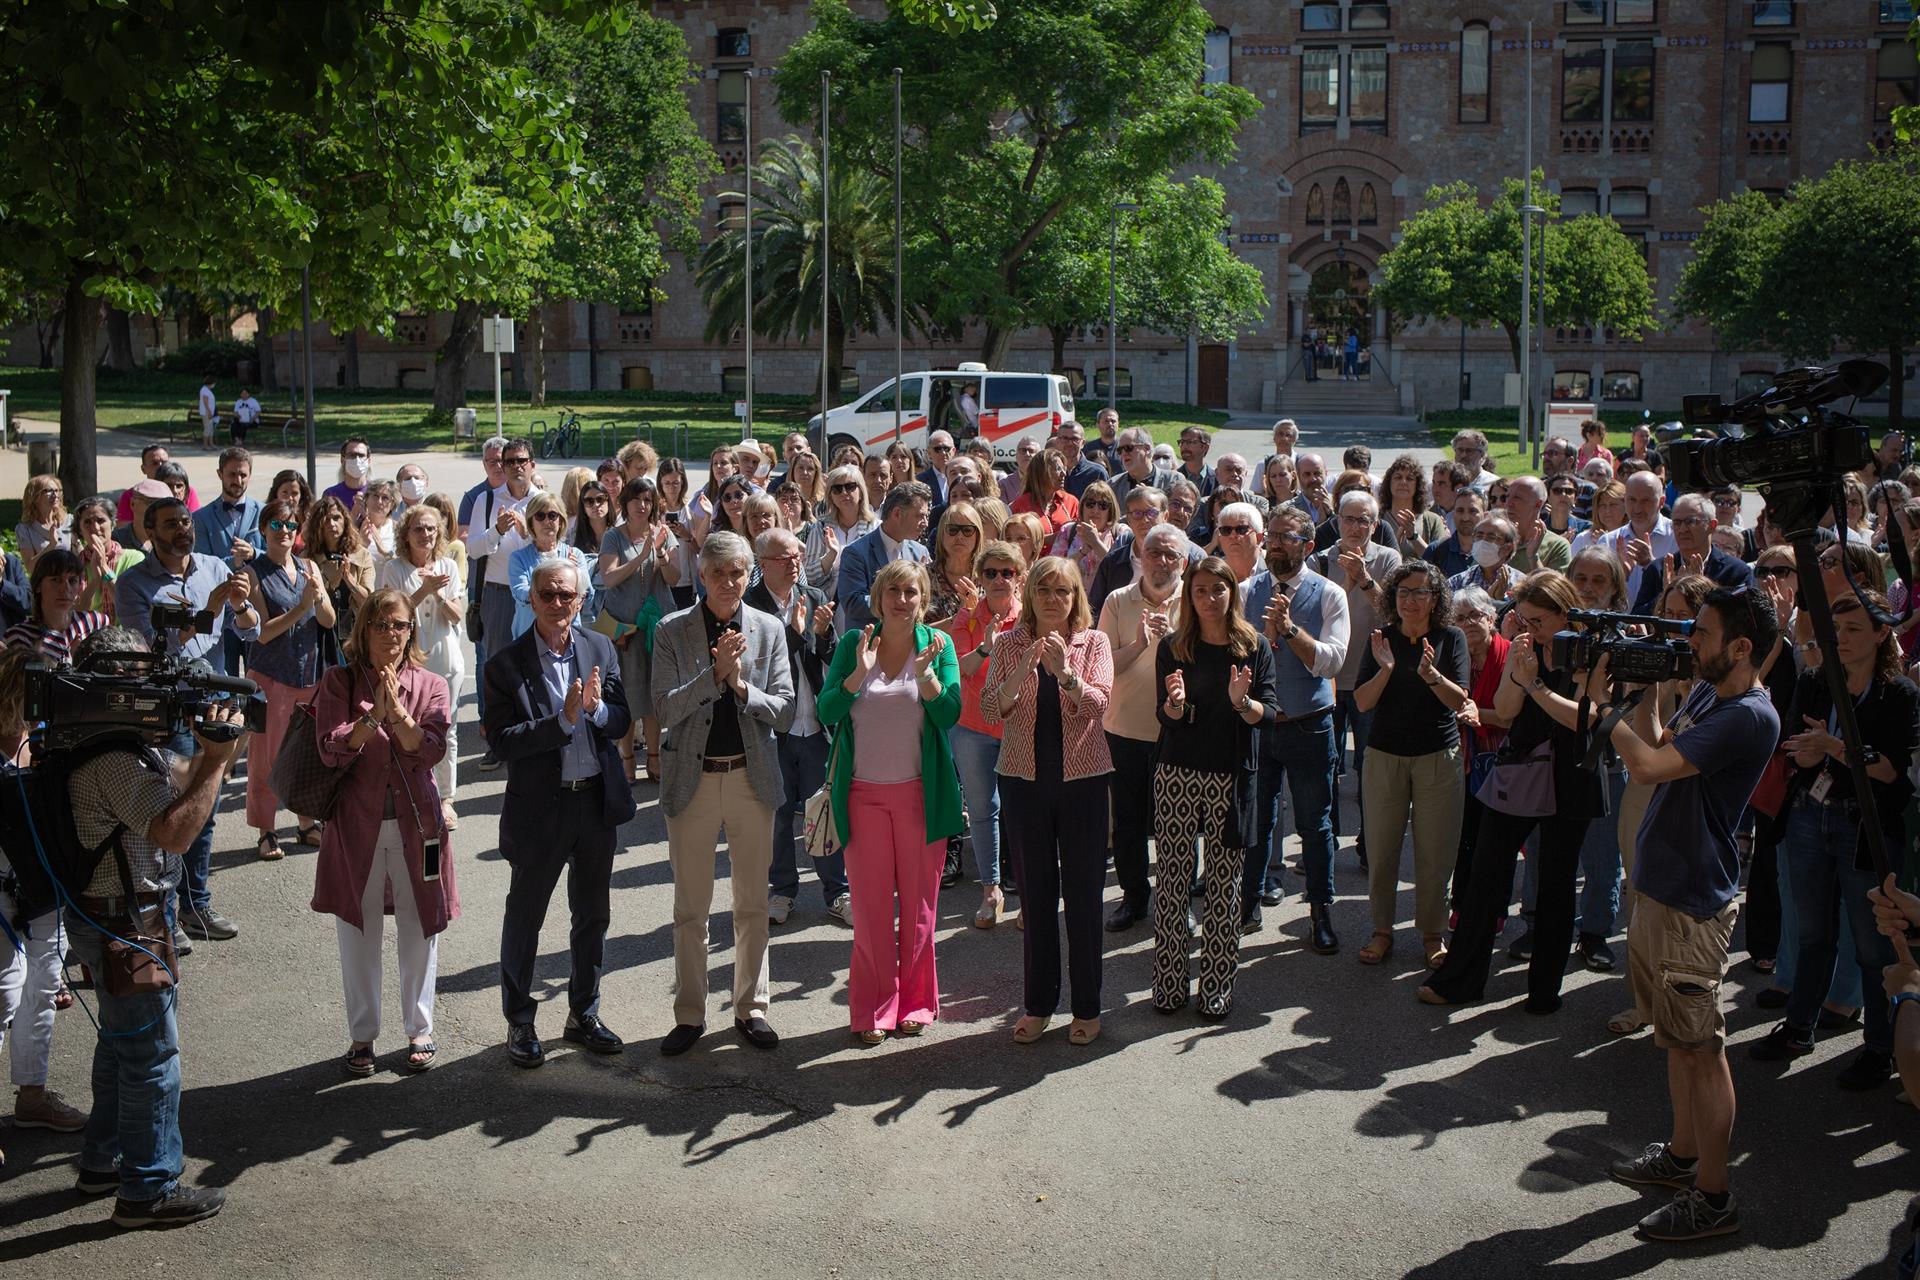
x: 29, y: 980
x: 360, y: 949
x: 443, y: 773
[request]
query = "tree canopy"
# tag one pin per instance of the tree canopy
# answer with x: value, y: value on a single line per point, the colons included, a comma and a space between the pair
x: 1833, y: 268
x: 1051, y: 112
x: 1461, y: 260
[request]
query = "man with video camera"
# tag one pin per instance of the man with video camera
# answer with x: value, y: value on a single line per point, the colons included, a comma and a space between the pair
x: 185, y: 604
x: 1703, y: 764
x: 131, y: 1144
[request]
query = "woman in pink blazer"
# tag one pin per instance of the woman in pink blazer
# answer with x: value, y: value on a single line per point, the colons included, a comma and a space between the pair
x: 1047, y: 682
x: 382, y: 720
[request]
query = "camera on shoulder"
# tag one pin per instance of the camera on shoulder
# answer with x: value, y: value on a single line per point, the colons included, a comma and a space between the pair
x: 1662, y: 653
x: 149, y: 696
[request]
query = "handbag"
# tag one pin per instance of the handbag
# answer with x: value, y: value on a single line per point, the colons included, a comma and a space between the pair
x: 1770, y: 793
x: 1520, y: 785
x: 303, y: 781
x: 822, y: 833
x: 142, y: 961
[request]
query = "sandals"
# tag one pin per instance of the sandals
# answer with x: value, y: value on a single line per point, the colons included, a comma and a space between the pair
x: 908, y: 1027
x: 989, y: 913
x: 269, y: 848
x: 1435, y: 945
x: 1378, y: 948
x: 1029, y: 1029
x: 1083, y: 1031
x: 653, y: 766
x: 309, y: 835
x: 1764, y: 964
x: 420, y: 1056
x: 359, y: 1060
x: 1626, y: 1022
x: 875, y: 1036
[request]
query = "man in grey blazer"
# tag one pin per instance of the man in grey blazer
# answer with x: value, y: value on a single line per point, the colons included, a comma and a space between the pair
x: 723, y: 691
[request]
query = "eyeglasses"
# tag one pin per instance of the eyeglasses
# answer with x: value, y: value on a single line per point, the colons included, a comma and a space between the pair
x: 844, y: 488
x: 1412, y: 593
x: 1126, y: 448
x: 941, y: 448
x: 1302, y: 538
x: 559, y: 597
x: 594, y: 502
x: 991, y: 574
x: 1690, y: 522
x: 282, y: 526
x: 1562, y: 491
x: 966, y: 529
x: 392, y: 626
x: 1356, y: 521
x: 545, y: 516
x: 791, y: 555
x: 1235, y: 530
x: 1774, y: 570
x: 1096, y: 506
x: 430, y: 531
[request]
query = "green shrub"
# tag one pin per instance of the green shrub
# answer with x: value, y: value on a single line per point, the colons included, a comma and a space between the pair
x: 220, y: 357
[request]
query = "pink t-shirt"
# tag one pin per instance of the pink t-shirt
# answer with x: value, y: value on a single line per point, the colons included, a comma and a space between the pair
x: 887, y: 718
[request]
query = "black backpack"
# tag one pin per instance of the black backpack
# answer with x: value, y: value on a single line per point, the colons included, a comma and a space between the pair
x: 34, y: 803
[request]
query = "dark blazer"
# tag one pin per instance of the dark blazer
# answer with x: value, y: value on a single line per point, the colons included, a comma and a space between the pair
x: 1116, y: 570
x: 935, y: 480
x: 1721, y: 567
x: 807, y: 655
x: 525, y: 730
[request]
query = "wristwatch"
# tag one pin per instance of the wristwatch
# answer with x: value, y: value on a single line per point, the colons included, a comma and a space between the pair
x: 1537, y: 685
x: 368, y: 722
x: 1245, y: 704
x: 1366, y: 584
x: 1293, y: 629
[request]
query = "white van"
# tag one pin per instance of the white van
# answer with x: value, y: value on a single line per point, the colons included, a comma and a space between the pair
x: 1010, y: 406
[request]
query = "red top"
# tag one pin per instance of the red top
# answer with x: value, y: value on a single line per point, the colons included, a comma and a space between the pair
x: 967, y: 629
x: 1485, y: 685
x: 1062, y: 509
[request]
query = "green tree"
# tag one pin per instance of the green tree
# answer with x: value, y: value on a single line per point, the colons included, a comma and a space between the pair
x: 955, y: 17
x: 394, y: 145
x: 1835, y: 267
x: 1057, y: 107
x: 786, y: 255
x: 1461, y: 260
x: 646, y: 164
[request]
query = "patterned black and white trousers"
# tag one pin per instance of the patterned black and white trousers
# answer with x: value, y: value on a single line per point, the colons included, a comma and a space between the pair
x: 1188, y: 805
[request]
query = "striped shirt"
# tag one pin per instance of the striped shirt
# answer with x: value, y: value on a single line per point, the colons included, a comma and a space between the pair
x: 57, y: 645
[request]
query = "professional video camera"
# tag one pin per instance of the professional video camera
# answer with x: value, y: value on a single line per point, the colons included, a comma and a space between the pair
x: 149, y: 695
x: 169, y: 616
x: 1781, y: 436
x: 1649, y: 659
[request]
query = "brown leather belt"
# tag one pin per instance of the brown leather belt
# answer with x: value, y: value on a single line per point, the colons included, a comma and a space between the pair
x: 723, y: 764
x: 99, y: 908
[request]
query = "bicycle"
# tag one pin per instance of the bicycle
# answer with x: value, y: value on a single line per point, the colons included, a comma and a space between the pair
x: 562, y: 440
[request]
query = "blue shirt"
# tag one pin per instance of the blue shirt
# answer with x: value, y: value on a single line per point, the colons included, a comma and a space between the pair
x: 148, y: 581
x: 1685, y: 856
x: 216, y: 524
x: 561, y: 670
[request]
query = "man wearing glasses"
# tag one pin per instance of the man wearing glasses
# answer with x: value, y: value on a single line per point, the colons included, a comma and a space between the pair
x: 808, y: 619
x: 1307, y: 622
x: 1194, y: 444
x: 1134, y: 448
x: 939, y: 454
x: 1144, y: 508
x: 498, y: 529
x: 1080, y: 472
x: 356, y: 468
x: 1693, y: 552
x: 555, y: 714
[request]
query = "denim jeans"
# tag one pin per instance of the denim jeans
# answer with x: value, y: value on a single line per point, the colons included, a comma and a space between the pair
x: 196, y: 893
x: 1300, y: 753
x: 136, y: 1083
x: 1830, y: 895
x: 1843, y: 990
x: 1348, y: 716
x: 975, y: 756
x: 803, y: 767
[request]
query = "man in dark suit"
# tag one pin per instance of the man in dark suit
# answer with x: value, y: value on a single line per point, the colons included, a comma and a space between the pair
x: 939, y: 454
x: 1694, y: 552
x: 903, y: 527
x: 808, y: 618
x: 555, y: 716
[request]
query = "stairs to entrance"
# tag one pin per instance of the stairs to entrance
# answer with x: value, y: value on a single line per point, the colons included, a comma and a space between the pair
x: 1374, y: 396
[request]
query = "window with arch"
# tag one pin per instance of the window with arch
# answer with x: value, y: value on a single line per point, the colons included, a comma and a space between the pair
x: 1475, y: 42
x: 1342, y: 202
x: 1369, y: 206
x: 1316, y: 204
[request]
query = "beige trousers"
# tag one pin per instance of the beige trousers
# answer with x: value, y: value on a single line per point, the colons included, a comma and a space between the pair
x: 1431, y: 789
x: 722, y: 800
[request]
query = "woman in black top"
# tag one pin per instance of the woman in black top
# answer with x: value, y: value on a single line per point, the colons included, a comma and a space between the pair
x: 1412, y: 682
x: 1827, y: 865
x: 1544, y: 704
x: 1217, y: 675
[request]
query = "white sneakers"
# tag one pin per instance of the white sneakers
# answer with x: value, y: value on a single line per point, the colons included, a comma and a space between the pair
x: 779, y: 907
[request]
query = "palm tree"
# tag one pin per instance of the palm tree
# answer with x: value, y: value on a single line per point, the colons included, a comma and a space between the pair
x: 786, y: 263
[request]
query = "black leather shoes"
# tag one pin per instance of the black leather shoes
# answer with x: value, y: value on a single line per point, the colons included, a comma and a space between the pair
x: 523, y: 1045
x: 1325, y: 941
x: 950, y: 871
x: 757, y: 1031
x: 1125, y: 915
x: 1272, y: 898
x: 592, y: 1034
x: 680, y: 1039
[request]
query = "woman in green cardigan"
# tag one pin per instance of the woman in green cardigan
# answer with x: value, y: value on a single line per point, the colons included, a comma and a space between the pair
x: 890, y: 696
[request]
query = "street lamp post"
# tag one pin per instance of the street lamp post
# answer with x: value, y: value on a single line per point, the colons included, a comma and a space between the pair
x: 1113, y: 258
x: 899, y: 357
x: 746, y: 426
x: 1529, y: 430
x: 826, y: 372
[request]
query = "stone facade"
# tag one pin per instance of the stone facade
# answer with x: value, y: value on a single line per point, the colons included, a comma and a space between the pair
x: 1641, y: 108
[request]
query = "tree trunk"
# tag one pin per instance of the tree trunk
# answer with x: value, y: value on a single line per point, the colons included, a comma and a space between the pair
x: 1059, y: 333
x: 450, y: 361
x: 199, y: 324
x: 78, y: 469
x: 1513, y: 343
x: 993, y: 346
x: 536, y: 357
x: 350, y: 358
x: 119, y: 340
x: 263, y: 350
x: 1896, y: 388
x: 49, y: 333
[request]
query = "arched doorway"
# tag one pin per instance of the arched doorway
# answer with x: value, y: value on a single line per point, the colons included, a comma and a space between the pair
x: 1339, y: 299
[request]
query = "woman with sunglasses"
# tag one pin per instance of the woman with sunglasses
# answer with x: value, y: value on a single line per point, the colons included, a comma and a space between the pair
x: 975, y: 741
x: 1087, y: 540
x: 433, y: 583
x: 1214, y: 680
x: 43, y: 520
x: 1562, y: 493
x: 291, y: 601
x: 545, y: 519
x: 848, y: 517
x: 956, y: 545
x: 291, y: 485
x: 382, y: 721
x: 587, y: 530
x: 730, y: 506
x: 1045, y: 494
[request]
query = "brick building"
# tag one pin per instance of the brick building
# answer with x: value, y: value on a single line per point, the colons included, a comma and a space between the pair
x: 1643, y: 109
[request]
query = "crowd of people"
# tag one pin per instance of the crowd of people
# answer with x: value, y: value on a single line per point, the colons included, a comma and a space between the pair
x: 1120, y: 653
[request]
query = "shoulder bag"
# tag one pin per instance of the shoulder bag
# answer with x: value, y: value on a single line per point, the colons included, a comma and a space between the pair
x: 822, y: 833
x: 304, y: 782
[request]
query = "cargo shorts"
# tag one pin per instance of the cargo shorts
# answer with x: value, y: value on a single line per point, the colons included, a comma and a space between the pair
x: 1678, y: 963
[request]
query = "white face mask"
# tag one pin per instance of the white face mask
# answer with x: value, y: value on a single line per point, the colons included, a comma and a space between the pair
x: 1486, y: 553
x: 357, y: 467
x: 413, y: 490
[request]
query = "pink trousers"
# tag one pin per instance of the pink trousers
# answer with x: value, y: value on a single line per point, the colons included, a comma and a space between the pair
x: 263, y: 806
x: 892, y: 978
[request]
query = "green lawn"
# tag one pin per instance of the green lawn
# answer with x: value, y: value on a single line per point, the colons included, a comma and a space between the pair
x: 152, y: 403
